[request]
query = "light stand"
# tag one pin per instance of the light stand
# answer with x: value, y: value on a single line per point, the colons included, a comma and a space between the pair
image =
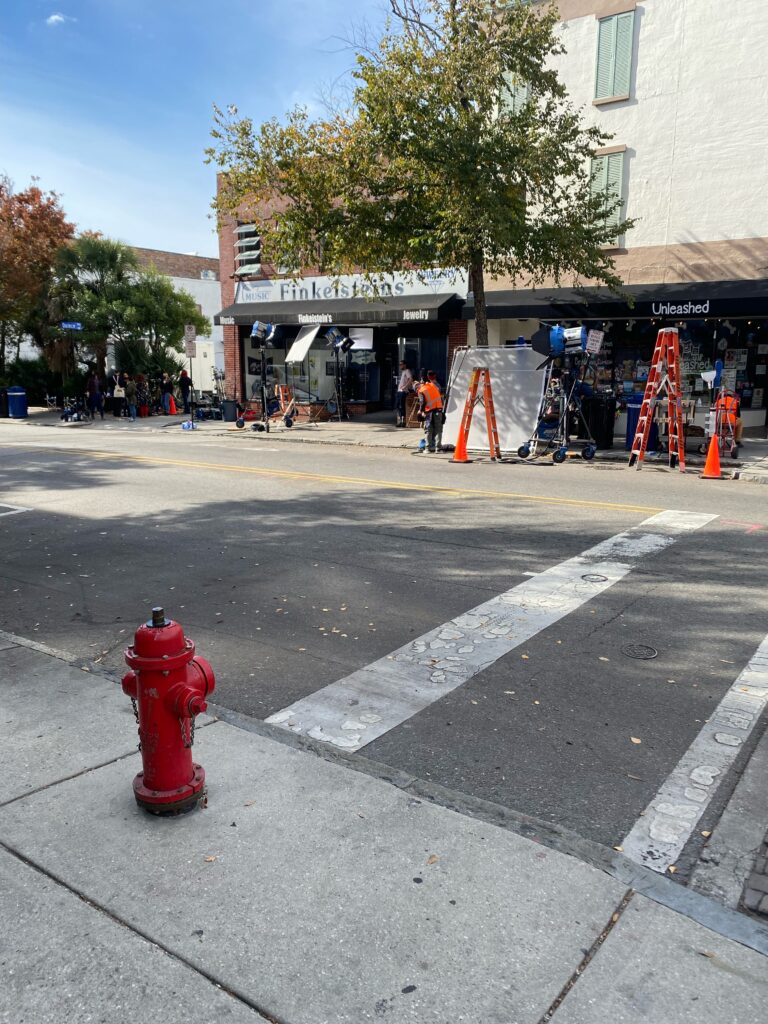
x: 265, y: 334
x: 339, y: 344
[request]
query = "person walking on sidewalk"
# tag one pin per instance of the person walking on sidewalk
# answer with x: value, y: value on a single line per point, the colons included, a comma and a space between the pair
x: 185, y: 386
x: 95, y: 399
x: 166, y: 389
x: 130, y: 397
x: 431, y: 409
x: 404, y: 386
x: 118, y: 394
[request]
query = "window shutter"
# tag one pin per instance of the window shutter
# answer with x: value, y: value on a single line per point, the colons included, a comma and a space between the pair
x: 515, y: 95
x: 598, y: 182
x: 625, y: 25
x: 606, y: 58
x: 607, y: 183
x: 614, y: 180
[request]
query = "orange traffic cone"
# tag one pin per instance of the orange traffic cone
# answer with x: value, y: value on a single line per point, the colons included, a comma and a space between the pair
x: 712, y: 465
x: 460, y: 455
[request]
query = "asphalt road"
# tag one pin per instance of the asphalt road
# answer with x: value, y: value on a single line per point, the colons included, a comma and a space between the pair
x: 292, y: 566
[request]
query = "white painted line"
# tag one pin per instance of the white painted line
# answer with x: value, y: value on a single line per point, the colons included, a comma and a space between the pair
x: 12, y: 510
x: 22, y: 641
x: 356, y: 710
x: 658, y: 837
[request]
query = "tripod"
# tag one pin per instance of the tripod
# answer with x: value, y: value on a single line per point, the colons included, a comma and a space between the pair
x: 264, y: 397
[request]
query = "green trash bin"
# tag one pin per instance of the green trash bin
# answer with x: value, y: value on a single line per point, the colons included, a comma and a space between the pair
x: 17, y: 403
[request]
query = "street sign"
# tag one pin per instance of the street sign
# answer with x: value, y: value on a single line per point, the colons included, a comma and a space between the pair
x: 71, y: 325
x: 189, y: 341
x: 595, y: 342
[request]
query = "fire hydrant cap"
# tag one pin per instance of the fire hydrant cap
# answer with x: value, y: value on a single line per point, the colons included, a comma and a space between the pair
x: 158, y: 643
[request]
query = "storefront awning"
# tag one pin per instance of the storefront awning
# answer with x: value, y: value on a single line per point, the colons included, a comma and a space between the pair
x: 395, y: 310
x: 693, y: 301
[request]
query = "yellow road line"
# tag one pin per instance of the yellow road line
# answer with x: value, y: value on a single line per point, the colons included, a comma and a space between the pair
x: 288, y: 474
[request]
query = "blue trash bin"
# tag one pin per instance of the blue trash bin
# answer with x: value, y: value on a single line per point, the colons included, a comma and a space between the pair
x: 17, y: 403
x: 634, y: 403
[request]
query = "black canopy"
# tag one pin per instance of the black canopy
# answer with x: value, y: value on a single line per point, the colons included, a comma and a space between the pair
x: 693, y: 301
x: 398, y: 309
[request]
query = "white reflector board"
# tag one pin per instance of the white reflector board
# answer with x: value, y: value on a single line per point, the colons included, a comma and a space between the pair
x: 302, y: 344
x: 362, y: 337
x: 517, y: 388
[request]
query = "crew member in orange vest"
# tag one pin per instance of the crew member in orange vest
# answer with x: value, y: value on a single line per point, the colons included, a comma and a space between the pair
x: 431, y: 410
x: 729, y: 408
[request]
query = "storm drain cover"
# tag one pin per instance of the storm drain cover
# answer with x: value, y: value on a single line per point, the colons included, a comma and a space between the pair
x: 640, y: 651
x: 594, y: 578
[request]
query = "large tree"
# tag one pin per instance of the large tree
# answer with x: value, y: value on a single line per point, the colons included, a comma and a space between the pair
x: 93, y: 275
x: 100, y: 284
x: 33, y: 227
x: 149, y: 338
x: 460, y: 150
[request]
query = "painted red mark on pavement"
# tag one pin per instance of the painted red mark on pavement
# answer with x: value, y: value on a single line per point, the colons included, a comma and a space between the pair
x: 748, y: 527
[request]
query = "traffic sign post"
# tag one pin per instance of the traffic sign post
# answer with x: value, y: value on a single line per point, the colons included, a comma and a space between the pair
x: 190, y: 348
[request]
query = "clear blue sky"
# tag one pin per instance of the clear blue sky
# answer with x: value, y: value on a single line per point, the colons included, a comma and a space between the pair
x: 109, y: 101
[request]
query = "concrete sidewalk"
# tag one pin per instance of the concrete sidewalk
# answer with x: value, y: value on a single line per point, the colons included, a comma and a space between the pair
x: 751, y: 465
x: 310, y: 893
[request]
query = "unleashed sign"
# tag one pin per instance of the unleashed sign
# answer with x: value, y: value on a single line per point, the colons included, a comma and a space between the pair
x: 680, y: 309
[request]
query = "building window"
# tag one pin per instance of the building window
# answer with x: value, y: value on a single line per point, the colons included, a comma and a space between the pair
x: 608, y: 184
x: 515, y: 95
x: 614, y: 57
x: 247, y: 250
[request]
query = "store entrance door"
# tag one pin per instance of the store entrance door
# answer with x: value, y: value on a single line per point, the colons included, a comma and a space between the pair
x: 424, y: 354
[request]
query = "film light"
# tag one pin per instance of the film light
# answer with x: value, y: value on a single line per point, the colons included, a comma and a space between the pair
x: 337, y: 341
x: 264, y: 333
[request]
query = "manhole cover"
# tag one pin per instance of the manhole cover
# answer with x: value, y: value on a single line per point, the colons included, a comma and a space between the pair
x: 639, y: 651
x: 594, y: 578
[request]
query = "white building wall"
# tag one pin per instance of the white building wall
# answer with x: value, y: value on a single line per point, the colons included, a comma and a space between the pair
x: 695, y: 122
x: 207, y: 295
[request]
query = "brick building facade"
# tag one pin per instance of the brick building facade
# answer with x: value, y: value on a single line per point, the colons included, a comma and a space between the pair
x: 417, y: 320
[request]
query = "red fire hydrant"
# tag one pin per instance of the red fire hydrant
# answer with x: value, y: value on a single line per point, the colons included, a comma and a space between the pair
x: 168, y: 685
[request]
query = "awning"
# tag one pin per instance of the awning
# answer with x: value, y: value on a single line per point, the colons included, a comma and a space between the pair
x: 699, y: 300
x: 399, y: 309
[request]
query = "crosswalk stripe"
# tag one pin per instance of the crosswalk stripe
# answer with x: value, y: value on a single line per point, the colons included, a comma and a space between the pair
x: 660, y: 834
x: 355, y: 710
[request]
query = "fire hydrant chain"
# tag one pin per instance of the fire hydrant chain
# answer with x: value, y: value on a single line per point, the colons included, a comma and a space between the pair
x: 191, y: 733
x: 136, y: 716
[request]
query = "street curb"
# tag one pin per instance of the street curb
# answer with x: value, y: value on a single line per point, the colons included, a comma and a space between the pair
x: 752, y: 476
x: 659, y: 889
x: 728, y: 863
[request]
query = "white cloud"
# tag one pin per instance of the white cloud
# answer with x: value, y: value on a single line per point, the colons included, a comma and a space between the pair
x: 58, y: 19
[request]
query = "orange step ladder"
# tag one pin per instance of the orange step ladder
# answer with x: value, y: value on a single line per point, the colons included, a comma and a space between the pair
x: 663, y: 377
x: 479, y: 373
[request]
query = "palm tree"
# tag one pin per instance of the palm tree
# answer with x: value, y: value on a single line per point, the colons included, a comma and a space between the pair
x: 94, y: 275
